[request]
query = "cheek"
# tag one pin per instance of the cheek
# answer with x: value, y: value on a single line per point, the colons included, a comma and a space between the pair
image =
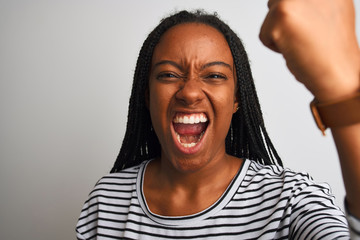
x: 226, y: 111
x: 159, y: 102
x: 159, y: 97
x: 225, y: 100
x: 224, y: 105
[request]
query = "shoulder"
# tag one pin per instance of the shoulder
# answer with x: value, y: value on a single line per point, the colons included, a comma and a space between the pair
x: 113, y: 196
x: 123, y: 176
x: 292, y: 182
x: 112, y: 190
x: 258, y: 170
x: 306, y: 205
x: 120, y: 183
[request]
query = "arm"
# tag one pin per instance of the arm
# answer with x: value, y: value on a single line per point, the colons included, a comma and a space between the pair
x: 318, y: 41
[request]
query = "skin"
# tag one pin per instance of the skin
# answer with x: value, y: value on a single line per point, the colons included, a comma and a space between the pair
x: 318, y: 41
x: 192, y: 72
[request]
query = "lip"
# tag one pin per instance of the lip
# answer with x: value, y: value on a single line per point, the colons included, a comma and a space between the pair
x: 197, y: 147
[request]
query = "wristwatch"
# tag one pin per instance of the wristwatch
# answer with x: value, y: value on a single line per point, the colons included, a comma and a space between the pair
x: 341, y: 112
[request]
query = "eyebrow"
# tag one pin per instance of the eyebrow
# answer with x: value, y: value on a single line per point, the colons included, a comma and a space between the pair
x: 216, y: 63
x: 163, y: 62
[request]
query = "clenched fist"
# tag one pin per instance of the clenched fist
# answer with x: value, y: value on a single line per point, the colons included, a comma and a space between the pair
x: 318, y: 41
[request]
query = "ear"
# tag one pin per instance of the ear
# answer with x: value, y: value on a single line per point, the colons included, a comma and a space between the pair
x: 236, y: 93
x: 147, y: 98
x: 236, y: 106
x: 236, y: 102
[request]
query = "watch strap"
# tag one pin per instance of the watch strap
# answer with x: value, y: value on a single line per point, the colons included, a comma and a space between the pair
x: 337, y: 113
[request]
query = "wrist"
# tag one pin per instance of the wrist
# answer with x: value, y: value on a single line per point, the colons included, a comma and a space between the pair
x: 335, y: 83
x: 338, y: 92
x: 336, y: 113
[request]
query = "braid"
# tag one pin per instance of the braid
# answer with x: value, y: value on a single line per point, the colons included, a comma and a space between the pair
x: 247, y: 136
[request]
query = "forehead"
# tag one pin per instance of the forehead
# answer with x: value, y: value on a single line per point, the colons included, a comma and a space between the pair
x: 193, y: 40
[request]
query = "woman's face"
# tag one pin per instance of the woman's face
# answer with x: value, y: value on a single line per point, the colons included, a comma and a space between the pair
x: 192, y: 95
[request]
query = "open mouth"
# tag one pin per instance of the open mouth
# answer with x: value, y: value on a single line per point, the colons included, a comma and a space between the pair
x: 190, y: 128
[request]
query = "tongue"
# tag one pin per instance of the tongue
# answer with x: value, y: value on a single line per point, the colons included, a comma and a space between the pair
x: 190, y: 129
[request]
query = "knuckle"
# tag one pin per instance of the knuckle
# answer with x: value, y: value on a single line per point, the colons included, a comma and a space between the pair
x: 282, y: 10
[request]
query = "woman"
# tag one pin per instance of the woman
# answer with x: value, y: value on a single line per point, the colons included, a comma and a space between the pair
x: 194, y: 122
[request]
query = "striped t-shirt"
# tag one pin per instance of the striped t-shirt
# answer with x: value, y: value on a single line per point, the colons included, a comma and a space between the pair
x: 261, y: 202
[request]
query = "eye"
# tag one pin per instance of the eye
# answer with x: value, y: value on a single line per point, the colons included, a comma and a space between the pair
x: 216, y: 77
x: 167, y: 76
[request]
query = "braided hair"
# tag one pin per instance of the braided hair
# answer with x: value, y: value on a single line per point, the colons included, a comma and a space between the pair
x: 247, y: 136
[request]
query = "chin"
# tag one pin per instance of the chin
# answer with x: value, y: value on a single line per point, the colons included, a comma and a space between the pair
x: 188, y: 165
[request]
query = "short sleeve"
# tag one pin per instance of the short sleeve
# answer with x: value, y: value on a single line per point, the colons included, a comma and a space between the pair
x: 314, y: 214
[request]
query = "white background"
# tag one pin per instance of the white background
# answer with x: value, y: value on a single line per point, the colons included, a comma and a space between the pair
x: 65, y: 78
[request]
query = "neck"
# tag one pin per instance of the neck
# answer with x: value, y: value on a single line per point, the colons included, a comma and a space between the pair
x: 187, y: 192
x: 217, y: 172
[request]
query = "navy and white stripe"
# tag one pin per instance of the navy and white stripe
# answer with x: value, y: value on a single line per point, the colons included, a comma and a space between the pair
x: 262, y: 202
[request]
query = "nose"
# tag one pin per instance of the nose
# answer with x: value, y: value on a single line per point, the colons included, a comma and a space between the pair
x: 190, y: 92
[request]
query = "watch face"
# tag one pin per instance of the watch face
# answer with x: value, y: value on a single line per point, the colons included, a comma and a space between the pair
x: 317, y: 117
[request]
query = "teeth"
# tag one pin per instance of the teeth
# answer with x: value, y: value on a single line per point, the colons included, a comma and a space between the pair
x: 178, y: 137
x: 197, y: 119
x: 190, y: 118
x: 186, y: 120
x: 188, y: 145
